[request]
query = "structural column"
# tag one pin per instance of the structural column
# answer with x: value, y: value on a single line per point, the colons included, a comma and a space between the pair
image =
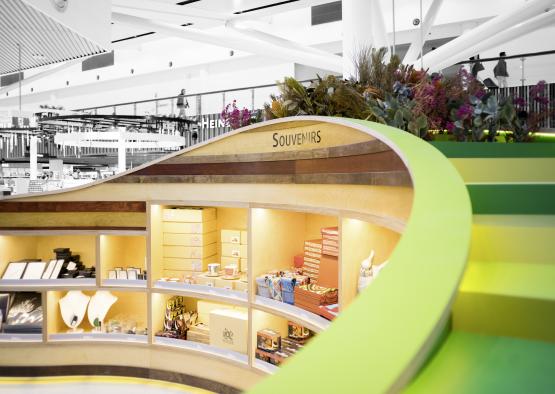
x: 363, y: 26
x: 33, y: 155
x: 121, y: 150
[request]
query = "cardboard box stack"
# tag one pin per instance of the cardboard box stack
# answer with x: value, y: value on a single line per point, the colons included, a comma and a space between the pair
x: 328, y: 275
x: 234, y: 248
x: 189, y: 240
x: 312, y: 257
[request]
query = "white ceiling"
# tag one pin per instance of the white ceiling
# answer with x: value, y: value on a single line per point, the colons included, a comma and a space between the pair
x: 43, y: 41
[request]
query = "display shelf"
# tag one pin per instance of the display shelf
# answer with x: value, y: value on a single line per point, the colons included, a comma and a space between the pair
x: 121, y: 250
x: 11, y: 338
x: 213, y: 351
x: 98, y: 337
x: 122, y: 283
x: 310, y: 320
x: 265, y: 367
x: 201, y: 291
x: 42, y: 284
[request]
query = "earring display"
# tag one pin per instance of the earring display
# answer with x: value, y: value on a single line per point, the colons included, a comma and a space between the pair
x: 73, y: 307
x: 130, y: 273
x: 99, y: 305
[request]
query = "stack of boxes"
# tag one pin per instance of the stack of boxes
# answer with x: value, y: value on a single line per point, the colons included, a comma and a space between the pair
x: 312, y: 257
x: 311, y: 297
x: 329, y: 265
x: 234, y: 248
x: 189, y: 240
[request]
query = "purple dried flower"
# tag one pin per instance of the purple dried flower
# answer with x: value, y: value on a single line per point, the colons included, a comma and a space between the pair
x: 450, y: 126
x: 465, y: 111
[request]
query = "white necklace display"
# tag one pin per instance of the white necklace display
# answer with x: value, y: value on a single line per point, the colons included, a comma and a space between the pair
x: 99, y: 305
x: 72, y: 307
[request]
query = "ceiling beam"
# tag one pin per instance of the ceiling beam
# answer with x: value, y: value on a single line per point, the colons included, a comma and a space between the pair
x: 438, y: 59
x: 159, y: 10
x: 330, y: 62
x: 426, y: 26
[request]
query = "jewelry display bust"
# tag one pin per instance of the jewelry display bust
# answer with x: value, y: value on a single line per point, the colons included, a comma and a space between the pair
x: 99, y: 305
x: 72, y: 307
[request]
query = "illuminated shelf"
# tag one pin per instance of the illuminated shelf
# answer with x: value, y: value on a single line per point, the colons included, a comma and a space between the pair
x: 98, y: 336
x: 227, y: 355
x: 206, y: 292
x: 310, y: 320
x: 20, y: 337
x: 124, y: 283
x: 32, y: 284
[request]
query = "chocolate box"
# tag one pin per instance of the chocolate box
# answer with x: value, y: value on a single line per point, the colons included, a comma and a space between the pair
x: 229, y: 329
x: 268, y: 340
x: 296, y: 331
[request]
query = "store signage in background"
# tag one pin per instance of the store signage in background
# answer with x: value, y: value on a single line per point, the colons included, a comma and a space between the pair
x: 299, y: 138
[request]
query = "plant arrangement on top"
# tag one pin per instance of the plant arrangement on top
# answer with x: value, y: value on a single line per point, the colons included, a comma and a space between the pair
x: 398, y: 95
x: 235, y: 118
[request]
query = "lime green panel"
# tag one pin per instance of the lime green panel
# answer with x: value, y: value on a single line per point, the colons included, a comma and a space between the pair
x: 515, y: 199
x: 525, y: 280
x: 493, y: 314
x: 483, y: 150
x: 477, y: 170
x: 513, y: 238
x: 385, y: 335
x: 475, y: 364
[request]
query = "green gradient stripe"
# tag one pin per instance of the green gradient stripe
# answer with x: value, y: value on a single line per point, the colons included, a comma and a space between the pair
x: 385, y: 336
x: 494, y: 150
x: 513, y: 199
x: 506, y: 170
x: 470, y: 363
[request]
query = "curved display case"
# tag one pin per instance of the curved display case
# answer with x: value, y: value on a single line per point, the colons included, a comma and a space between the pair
x: 277, y: 185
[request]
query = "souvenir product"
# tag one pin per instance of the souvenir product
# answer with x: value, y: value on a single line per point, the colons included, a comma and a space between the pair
x: 15, y: 270
x: 366, y: 276
x: 99, y: 305
x: 49, y: 269
x: 24, y: 315
x: 228, y: 329
x: 297, y: 332
x: 72, y: 307
x: 268, y: 340
x: 213, y: 269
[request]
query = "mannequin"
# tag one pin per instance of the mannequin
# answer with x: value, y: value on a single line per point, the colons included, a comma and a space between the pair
x: 72, y: 307
x: 100, y: 303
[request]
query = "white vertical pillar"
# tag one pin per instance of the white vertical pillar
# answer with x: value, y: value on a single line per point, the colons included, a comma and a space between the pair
x: 33, y: 163
x: 357, y: 31
x: 424, y: 29
x: 363, y: 26
x: 121, y: 150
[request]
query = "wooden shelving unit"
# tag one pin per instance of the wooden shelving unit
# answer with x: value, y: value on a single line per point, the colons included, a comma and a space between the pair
x: 275, y: 235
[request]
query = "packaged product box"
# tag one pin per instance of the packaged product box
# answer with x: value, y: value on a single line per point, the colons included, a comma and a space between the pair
x: 287, y: 286
x: 297, y: 332
x: 234, y: 250
x: 328, y: 275
x: 189, y: 228
x: 190, y: 239
x: 228, y: 329
x: 190, y: 252
x: 244, y: 237
x: 199, y: 333
x: 298, y: 261
x: 268, y: 340
x: 262, y: 286
x: 176, y: 263
x: 194, y: 215
x: 231, y: 236
x: 204, y: 308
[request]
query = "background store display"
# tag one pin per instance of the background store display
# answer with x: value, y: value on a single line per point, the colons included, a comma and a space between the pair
x: 21, y: 313
x: 64, y: 266
x: 130, y: 273
x: 190, y: 249
x: 272, y: 348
